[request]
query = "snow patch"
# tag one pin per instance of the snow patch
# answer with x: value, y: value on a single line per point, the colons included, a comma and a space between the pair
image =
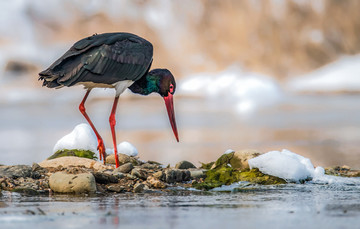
x: 125, y: 148
x: 285, y: 164
x: 295, y: 168
x: 229, y: 151
x: 82, y: 137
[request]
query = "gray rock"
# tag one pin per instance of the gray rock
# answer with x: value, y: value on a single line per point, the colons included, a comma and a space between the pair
x: 123, y: 158
x: 125, y: 168
x: 150, y: 166
x: 132, y: 177
x: 176, y: 175
x: 159, y: 175
x: 198, y: 173
x: 62, y: 182
x: 104, y: 178
x: 118, y: 175
x: 155, y: 183
x: 116, y: 188
x: 140, y: 187
x: 185, y: 165
x: 140, y: 173
x: 15, y: 171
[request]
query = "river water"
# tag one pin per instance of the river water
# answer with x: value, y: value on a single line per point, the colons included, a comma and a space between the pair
x: 286, y: 206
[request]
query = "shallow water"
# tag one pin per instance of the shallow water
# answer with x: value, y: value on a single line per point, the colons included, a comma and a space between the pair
x: 286, y: 206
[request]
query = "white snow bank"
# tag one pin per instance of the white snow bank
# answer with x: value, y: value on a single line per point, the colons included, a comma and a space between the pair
x: 82, y: 137
x: 295, y: 168
x: 246, y: 91
x: 285, y: 164
x: 341, y: 75
x: 124, y: 148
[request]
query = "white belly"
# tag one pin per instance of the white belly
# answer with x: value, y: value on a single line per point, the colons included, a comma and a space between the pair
x: 119, y: 86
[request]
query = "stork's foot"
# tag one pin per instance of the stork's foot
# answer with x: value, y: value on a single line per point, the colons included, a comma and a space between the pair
x: 101, y: 149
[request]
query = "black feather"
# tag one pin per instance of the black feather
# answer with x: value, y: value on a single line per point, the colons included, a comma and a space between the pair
x: 105, y: 58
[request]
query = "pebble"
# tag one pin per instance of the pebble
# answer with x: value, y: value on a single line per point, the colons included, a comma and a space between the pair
x: 176, y: 175
x: 123, y: 158
x: 116, y: 188
x: 185, y: 165
x: 118, y: 175
x: 140, y: 173
x: 155, y: 183
x: 199, y: 173
x: 104, y: 178
x: 159, y: 175
x: 140, y: 187
x: 62, y: 182
x: 125, y: 168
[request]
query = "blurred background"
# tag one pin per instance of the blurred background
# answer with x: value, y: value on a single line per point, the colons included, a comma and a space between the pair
x: 250, y: 74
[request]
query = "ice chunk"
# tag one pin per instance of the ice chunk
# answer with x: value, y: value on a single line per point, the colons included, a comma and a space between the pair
x: 124, y: 148
x: 285, y: 164
x: 82, y: 137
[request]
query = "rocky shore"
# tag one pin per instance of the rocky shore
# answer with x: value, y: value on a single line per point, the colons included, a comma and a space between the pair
x: 78, y: 175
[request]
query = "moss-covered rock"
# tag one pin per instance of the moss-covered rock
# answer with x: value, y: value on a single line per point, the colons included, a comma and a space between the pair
x: 227, y: 175
x: 236, y: 159
x: 73, y: 152
x: 206, y: 165
x: 257, y: 177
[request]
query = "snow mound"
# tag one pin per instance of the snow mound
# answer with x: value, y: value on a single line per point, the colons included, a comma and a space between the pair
x: 245, y: 91
x: 82, y: 137
x: 341, y: 75
x: 125, y: 148
x: 285, y: 164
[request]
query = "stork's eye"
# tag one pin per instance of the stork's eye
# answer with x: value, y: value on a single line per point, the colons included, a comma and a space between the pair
x: 171, y: 88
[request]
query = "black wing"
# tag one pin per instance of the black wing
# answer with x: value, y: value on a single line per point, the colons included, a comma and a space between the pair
x: 104, y: 58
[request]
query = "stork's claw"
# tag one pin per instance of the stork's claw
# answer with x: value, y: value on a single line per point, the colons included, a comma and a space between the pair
x: 101, y: 149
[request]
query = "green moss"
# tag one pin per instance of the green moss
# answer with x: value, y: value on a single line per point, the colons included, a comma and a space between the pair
x: 73, y: 152
x: 206, y: 165
x: 226, y: 175
x: 257, y: 177
x: 224, y: 160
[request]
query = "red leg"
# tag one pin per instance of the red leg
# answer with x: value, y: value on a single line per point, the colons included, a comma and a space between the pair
x: 101, y: 146
x: 112, y: 127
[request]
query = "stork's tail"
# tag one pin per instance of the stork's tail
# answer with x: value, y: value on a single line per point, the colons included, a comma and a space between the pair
x: 49, y: 79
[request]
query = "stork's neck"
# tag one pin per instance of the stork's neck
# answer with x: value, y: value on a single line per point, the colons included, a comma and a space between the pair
x: 146, y: 85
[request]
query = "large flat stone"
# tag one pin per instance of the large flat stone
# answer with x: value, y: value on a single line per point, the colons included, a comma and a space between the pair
x: 62, y: 182
x: 74, y: 161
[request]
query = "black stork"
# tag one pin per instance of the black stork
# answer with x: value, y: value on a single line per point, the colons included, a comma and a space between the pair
x: 112, y: 60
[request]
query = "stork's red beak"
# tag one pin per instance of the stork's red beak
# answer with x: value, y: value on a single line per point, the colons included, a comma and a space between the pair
x: 170, y: 109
